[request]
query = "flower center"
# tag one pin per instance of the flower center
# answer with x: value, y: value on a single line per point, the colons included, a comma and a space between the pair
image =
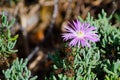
x: 80, y: 34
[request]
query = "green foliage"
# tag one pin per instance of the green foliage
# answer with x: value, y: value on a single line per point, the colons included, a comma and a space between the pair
x: 82, y: 68
x: 109, y: 35
x: 102, y: 58
x: 117, y: 17
x: 112, y: 70
x: 108, y: 45
x: 7, y: 42
x: 56, y: 58
x: 60, y: 68
x: 18, y: 71
x: 85, y: 61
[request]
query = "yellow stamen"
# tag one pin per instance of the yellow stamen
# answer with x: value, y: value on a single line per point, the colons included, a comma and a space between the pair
x: 80, y: 34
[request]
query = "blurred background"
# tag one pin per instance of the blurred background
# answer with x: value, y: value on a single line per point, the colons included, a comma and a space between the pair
x: 39, y: 24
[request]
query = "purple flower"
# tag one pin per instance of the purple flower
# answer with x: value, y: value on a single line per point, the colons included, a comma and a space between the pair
x: 80, y: 34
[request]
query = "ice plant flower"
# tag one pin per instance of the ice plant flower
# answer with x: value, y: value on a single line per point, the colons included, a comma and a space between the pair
x: 80, y: 34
